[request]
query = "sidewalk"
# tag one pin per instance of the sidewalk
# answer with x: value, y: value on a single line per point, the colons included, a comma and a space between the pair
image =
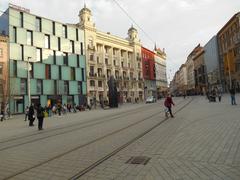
x: 201, y: 142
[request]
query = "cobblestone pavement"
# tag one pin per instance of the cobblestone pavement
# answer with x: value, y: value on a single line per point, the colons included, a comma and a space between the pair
x: 201, y: 142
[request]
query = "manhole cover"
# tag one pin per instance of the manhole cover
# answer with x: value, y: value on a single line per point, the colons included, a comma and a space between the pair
x: 138, y: 160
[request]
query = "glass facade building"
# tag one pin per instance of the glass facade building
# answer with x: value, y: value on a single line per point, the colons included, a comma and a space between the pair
x: 55, y: 52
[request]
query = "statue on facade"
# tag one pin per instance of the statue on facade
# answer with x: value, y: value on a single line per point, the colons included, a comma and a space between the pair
x: 112, y: 94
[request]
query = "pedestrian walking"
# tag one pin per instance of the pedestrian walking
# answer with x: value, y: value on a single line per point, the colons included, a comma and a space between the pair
x: 168, y: 104
x: 219, y: 94
x: 31, y: 116
x: 2, y: 114
x: 232, y: 93
x: 40, y: 116
x: 26, y: 113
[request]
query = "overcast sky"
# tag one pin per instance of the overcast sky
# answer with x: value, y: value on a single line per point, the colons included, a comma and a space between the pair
x: 176, y: 25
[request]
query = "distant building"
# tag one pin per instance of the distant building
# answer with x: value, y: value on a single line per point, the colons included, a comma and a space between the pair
x: 211, y: 60
x: 182, y: 88
x: 108, y: 55
x: 149, y: 74
x: 160, y: 71
x: 229, y: 53
x: 55, y: 52
x: 200, y: 71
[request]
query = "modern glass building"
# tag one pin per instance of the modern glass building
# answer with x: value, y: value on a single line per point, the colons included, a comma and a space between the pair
x: 52, y: 53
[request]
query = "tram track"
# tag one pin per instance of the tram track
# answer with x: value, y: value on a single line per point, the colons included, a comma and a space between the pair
x: 82, y: 172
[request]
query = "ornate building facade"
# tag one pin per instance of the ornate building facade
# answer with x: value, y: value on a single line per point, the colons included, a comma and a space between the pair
x: 108, y: 55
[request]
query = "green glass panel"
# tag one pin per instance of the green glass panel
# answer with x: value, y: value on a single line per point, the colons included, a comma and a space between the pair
x: 15, y: 51
x: 39, y: 71
x: 43, y: 100
x: 14, y: 17
x: 72, y: 60
x: 58, y: 29
x: 48, y: 87
x: 78, y: 74
x: 30, y: 51
x: 76, y: 99
x: 73, y: 87
x: 71, y: 33
x: 54, y: 42
x: 77, y: 47
x: 84, y: 88
x: 64, y: 99
x: 21, y: 69
x: 47, y: 56
x: 59, y: 58
x: 60, y: 87
x: 15, y: 86
x: 65, y: 45
x: 33, y: 89
x: 66, y: 73
x: 47, y: 26
x: 82, y: 61
x: 54, y: 72
x: 29, y: 21
x: 21, y: 36
x: 38, y: 39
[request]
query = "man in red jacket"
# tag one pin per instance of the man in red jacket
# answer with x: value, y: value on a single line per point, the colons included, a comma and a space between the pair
x: 168, y: 104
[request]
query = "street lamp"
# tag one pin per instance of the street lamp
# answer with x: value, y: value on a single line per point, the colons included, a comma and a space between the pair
x: 28, y: 81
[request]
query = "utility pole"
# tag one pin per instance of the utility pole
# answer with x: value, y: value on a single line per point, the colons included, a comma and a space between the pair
x: 28, y: 82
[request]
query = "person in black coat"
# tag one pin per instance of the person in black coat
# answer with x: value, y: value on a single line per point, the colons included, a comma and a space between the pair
x: 40, y: 116
x: 31, y: 117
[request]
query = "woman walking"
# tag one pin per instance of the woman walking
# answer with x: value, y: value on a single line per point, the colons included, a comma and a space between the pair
x: 40, y: 116
x: 168, y: 104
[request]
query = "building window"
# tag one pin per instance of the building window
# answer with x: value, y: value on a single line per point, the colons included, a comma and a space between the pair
x: 78, y: 61
x: 39, y: 55
x: 79, y: 87
x: 14, y: 35
x: 65, y: 87
x: 53, y: 28
x: 21, y: 19
x: 77, y: 34
x: 73, y: 74
x: 108, y: 73
x: 72, y: 47
x: 60, y: 72
x: 38, y: 24
x: 99, y: 83
x: 47, y: 41
x: 106, y: 61
x: 29, y: 38
x: 1, y: 52
x: 91, y: 73
x: 114, y: 62
x: 59, y: 43
x: 81, y: 44
x: 91, y: 57
x: 23, y: 86
x: 39, y: 86
x: 65, y: 59
x: 64, y: 31
x: 14, y: 68
x: 92, y: 83
x: 83, y: 74
x: 22, y: 52
x: 54, y: 57
x: 1, y: 69
x: 48, y: 71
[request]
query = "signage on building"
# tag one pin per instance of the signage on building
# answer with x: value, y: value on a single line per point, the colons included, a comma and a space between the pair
x: 19, y: 8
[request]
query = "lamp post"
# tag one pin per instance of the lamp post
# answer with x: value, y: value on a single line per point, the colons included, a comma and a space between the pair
x: 28, y: 81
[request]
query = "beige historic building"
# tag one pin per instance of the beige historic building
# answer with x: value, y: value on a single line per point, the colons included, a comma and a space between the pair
x: 182, y: 79
x: 3, y: 71
x: 160, y: 70
x: 108, y: 55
